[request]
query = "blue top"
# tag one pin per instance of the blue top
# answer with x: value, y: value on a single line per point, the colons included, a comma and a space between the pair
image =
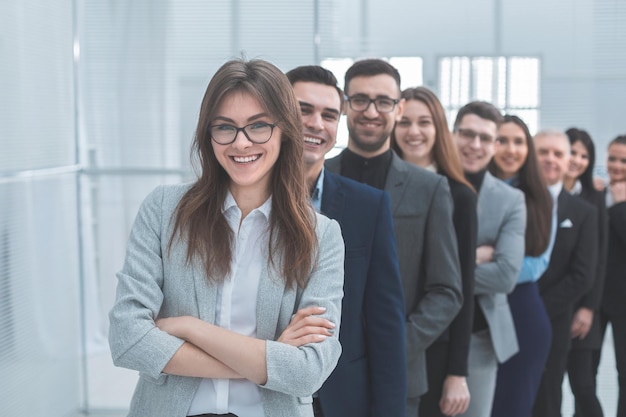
x: 534, y: 266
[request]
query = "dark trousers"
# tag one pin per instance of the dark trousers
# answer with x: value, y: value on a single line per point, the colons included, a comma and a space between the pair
x: 550, y: 394
x: 582, y: 368
x: 618, y: 325
x: 519, y: 377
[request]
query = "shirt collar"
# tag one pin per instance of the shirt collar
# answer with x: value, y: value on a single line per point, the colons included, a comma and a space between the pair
x: 229, y: 204
x: 577, y: 188
x: 316, y: 192
x: 555, y: 190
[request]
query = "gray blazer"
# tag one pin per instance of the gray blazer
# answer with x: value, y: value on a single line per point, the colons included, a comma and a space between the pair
x: 153, y: 285
x: 421, y: 207
x: 501, y: 224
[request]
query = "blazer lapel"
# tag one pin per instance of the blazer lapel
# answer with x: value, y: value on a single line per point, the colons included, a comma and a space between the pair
x: 206, y: 293
x: 333, y: 196
x: 269, y: 301
x: 561, y: 206
x: 484, y: 193
x: 396, y: 180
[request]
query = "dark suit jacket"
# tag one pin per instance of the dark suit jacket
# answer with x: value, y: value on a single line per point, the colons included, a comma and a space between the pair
x: 370, y: 378
x: 421, y: 207
x: 615, y: 283
x: 593, y: 298
x: 572, y: 264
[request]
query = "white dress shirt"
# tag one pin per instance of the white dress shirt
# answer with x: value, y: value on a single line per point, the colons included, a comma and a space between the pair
x: 236, y: 310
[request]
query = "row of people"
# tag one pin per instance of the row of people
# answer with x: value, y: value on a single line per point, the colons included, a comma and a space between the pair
x: 230, y: 299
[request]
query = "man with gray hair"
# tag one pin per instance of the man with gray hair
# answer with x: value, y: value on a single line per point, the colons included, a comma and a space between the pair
x: 572, y: 264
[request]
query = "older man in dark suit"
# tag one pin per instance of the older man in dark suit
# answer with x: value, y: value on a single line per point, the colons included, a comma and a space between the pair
x: 370, y: 378
x: 421, y: 206
x: 571, y: 268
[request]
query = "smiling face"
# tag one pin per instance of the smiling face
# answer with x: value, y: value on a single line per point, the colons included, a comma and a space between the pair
x: 475, y: 139
x: 248, y: 165
x: 415, y: 133
x: 511, y: 149
x: 370, y: 129
x: 320, y: 106
x: 578, y: 161
x: 616, y: 163
x: 553, y: 153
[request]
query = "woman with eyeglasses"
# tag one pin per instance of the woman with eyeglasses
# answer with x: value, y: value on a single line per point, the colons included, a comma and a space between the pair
x: 229, y: 300
x: 518, y: 379
x: 422, y: 137
x: 586, y: 330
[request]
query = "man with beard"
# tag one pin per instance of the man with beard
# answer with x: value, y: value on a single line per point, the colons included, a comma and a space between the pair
x: 421, y: 208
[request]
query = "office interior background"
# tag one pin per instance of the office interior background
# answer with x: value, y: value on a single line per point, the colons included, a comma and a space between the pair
x: 98, y: 104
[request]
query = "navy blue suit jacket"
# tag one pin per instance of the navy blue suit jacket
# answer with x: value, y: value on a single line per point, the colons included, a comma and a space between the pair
x: 370, y: 378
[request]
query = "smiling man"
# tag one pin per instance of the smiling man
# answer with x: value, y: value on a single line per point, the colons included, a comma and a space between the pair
x: 499, y: 253
x: 422, y: 212
x: 370, y: 378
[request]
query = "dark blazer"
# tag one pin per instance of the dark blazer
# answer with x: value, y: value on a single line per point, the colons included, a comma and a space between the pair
x: 572, y: 264
x: 615, y: 283
x: 421, y: 207
x: 593, y: 298
x: 370, y: 378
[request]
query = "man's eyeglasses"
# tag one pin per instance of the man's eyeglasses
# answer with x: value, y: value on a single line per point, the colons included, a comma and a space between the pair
x: 361, y: 102
x: 257, y: 132
x: 470, y: 135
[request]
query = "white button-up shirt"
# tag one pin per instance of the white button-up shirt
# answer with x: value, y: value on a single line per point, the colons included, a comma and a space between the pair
x: 236, y: 310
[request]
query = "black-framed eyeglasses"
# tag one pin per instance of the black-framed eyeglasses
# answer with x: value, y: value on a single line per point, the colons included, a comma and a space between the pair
x: 470, y: 135
x: 361, y: 102
x: 257, y: 132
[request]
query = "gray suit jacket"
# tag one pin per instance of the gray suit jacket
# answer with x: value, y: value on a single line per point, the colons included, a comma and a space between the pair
x: 421, y: 207
x: 153, y: 285
x: 501, y: 224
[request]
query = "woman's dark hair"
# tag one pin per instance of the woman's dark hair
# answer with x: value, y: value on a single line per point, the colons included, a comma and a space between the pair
x: 578, y: 135
x: 445, y: 153
x: 538, y: 198
x: 199, y: 220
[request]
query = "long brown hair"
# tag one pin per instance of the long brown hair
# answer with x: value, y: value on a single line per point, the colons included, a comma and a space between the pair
x: 199, y: 221
x: 445, y: 153
x: 538, y: 199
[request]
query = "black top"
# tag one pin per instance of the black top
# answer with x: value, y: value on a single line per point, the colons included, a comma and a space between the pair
x: 480, y: 322
x: 476, y: 179
x: 465, y: 223
x: 371, y: 171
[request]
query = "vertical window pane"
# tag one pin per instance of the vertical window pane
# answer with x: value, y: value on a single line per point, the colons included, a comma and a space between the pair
x: 524, y: 82
x: 483, y: 79
x: 460, y: 85
x: 445, y: 81
x: 338, y: 66
x: 500, y: 97
x: 410, y: 69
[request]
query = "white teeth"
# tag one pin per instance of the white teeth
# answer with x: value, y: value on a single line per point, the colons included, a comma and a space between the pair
x: 314, y: 141
x: 245, y: 159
